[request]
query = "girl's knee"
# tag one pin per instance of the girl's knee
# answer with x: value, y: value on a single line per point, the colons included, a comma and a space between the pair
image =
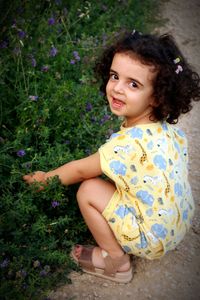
x: 85, y: 188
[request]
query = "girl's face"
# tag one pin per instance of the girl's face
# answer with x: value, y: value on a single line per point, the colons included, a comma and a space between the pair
x: 129, y: 89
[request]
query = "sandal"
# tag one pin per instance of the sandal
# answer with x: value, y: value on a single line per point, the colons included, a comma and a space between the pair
x: 111, y: 265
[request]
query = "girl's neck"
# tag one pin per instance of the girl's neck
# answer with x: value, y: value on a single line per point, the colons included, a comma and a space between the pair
x: 142, y: 119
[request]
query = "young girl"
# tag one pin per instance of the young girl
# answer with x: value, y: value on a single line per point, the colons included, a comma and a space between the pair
x: 146, y: 207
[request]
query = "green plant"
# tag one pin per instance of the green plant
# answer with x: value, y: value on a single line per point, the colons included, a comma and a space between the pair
x: 51, y: 113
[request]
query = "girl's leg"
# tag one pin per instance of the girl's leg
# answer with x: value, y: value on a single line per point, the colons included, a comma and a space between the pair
x: 93, y: 196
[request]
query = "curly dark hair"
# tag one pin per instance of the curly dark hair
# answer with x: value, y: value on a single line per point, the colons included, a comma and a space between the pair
x: 174, y: 89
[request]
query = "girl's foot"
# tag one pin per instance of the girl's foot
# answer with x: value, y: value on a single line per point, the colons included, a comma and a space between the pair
x: 98, y: 260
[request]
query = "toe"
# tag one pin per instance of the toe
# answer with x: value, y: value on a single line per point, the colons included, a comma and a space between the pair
x: 77, y: 251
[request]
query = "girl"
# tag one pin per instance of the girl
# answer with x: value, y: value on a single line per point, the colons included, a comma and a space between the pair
x: 147, y: 206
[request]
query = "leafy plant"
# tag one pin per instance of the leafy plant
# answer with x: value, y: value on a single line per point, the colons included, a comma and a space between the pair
x: 51, y: 113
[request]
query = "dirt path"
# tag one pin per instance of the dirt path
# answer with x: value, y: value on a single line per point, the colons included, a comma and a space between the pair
x: 177, y: 275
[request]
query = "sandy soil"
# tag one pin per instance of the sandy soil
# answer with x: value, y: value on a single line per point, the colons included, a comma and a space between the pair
x: 177, y: 275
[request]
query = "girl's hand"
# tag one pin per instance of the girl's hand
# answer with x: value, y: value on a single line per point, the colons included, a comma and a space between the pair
x: 38, y: 176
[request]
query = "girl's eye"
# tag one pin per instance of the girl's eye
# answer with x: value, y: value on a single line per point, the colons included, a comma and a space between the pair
x: 133, y: 84
x: 113, y: 76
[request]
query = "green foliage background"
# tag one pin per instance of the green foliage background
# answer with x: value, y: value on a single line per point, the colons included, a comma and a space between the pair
x: 51, y: 113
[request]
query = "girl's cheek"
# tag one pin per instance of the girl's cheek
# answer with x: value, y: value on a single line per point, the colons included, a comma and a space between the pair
x: 107, y: 87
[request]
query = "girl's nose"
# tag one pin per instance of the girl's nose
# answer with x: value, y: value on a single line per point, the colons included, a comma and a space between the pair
x: 118, y: 87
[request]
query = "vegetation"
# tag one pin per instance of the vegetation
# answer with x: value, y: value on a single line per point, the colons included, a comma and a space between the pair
x: 51, y: 113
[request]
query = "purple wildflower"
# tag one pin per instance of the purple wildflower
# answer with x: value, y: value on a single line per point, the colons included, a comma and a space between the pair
x: 3, y: 44
x: 45, y: 68
x: 51, y: 21
x: 33, y: 62
x: 104, y: 119
x: 4, y: 263
x: 33, y: 98
x: 53, y: 52
x: 55, y: 204
x: 21, y: 34
x: 76, y: 55
x: 21, y: 153
x: 43, y: 273
x: 67, y: 142
x: 88, y: 106
x: 72, y: 62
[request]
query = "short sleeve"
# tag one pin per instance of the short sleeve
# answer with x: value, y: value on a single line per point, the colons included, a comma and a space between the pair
x: 115, y: 155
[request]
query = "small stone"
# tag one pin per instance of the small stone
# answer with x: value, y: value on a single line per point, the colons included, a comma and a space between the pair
x: 95, y: 294
x: 128, y: 294
x: 105, y: 284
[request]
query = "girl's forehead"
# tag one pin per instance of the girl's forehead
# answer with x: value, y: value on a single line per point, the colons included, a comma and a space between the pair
x: 131, y: 65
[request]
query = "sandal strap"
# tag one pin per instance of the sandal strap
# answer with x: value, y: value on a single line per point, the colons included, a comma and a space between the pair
x: 113, y: 264
x: 85, y: 259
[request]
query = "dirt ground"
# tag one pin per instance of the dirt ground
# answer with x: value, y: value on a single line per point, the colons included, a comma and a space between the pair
x: 177, y: 275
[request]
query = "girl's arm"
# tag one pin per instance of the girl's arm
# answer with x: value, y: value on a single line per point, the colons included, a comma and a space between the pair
x: 72, y: 172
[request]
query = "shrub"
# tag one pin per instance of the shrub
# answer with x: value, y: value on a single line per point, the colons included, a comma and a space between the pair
x: 51, y: 113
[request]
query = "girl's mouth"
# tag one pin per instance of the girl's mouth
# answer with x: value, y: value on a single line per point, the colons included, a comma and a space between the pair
x: 117, y: 103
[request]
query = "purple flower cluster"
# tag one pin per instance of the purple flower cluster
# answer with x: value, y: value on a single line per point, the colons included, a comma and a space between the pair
x: 88, y: 106
x: 51, y: 21
x: 53, y: 52
x: 45, y: 271
x: 21, y: 34
x: 45, y: 69
x: 54, y: 204
x: 21, y: 153
x: 4, y: 263
x: 33, y: 62
x: 3, y: 44
x: 104, y: 119
x: 76, y: 55
x: 76, y: 58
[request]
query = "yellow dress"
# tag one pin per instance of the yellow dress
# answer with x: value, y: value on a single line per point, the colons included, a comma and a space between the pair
x: 152, y: 207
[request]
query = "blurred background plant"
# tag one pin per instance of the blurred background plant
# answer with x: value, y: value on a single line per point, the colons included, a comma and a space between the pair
x: 51, y: 112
